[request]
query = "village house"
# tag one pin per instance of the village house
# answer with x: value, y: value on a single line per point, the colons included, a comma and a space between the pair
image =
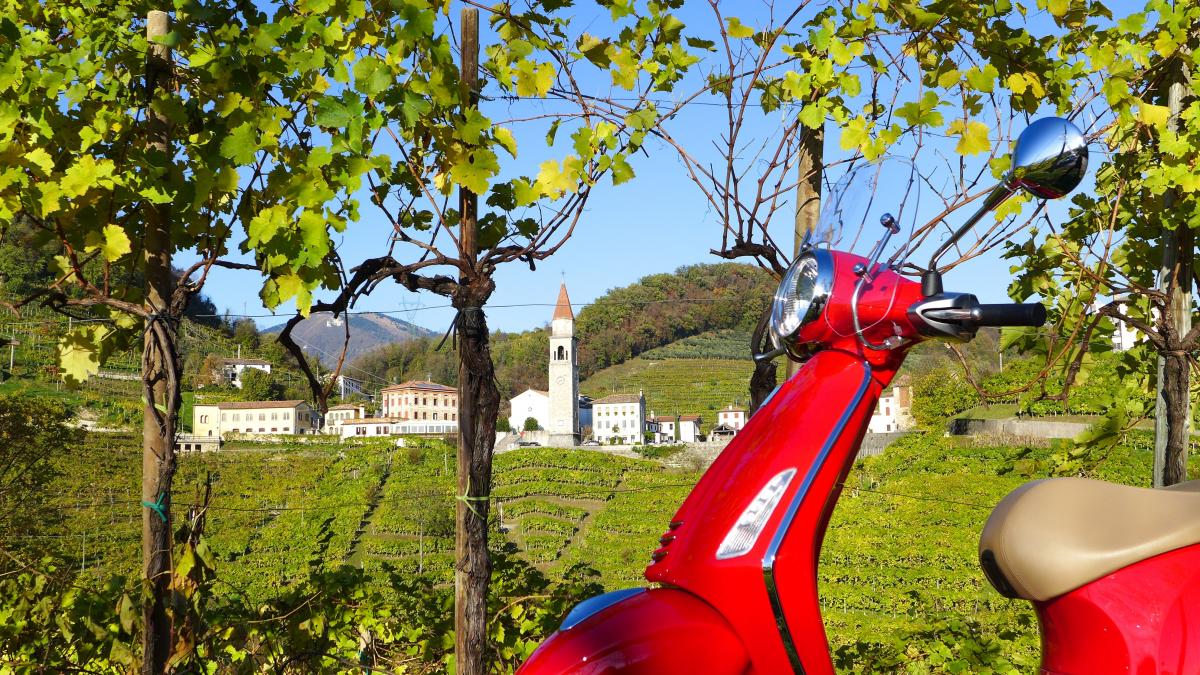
x: 619, y: 416
x: 367, y: 427
x: 254, y: 417
x: 689, y: 428
x: 420, y: 400
x: 338, y: 414
x: 662, y: 428
x: 734, y: 418
x: 232, y: 369
x: 892, y: 412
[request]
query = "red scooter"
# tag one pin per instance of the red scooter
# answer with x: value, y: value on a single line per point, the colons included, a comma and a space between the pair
x: 1113, y: 571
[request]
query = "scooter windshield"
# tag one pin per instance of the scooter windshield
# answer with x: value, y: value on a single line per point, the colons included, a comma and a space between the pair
x: 860, y: 196
x: 857, y: 195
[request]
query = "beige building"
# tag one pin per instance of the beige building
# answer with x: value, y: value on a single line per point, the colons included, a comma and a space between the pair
x: 621, y: 417
x: 893, y: 412
x: 731, y: 418
x: 368, y: 427
x: 338, y: 414
x: 254, y: 417
x: 419, y: 400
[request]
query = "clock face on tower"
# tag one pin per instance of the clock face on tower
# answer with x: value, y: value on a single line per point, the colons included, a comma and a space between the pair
x: 561, y: 380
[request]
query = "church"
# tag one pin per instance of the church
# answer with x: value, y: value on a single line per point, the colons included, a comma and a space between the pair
x: 560, y: 412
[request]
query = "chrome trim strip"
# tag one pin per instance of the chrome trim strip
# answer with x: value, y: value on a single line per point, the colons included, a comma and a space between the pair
x: 768, y: 563
x: 595, y: 605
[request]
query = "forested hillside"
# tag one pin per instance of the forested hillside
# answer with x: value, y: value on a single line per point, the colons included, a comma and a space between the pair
x: 655, y: 311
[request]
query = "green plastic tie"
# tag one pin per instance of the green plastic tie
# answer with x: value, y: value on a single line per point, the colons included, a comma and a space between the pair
x: 467, y: 499
x: 159, y: 507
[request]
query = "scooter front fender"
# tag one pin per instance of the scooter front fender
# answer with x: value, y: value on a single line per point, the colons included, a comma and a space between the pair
x: 638, y: 632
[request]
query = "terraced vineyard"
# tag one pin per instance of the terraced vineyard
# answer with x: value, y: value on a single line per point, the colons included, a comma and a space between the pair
x: 727, y: 343
x: 276, y: 513
x: 558, y: 506
x: 677, y: 386
x: 899, y: 554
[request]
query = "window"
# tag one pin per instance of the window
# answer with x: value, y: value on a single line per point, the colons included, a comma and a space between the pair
x: 262, y: 417
x: 223, y: 416
x: 287, y: 429
x: 435, y: 414
x: 435, y: 401
x: 287, y: 415
x: 424, y: 400
x: 274, y: 416
x: 274, y: 429
x: 237, y: 417
x: 424, y: 416
x: 262, y: 430
x: 204, y: 419
x: 562, y: 353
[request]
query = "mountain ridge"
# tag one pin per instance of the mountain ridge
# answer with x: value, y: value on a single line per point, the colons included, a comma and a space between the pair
x: 322, y: 335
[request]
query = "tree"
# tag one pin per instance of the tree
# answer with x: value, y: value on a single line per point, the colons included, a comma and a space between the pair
x: 410, y: 131
x: 117, y: 170
x: 1126, y: 254
x: 33, y: 434
x: 245, y: 333
x: 531, y: 424
x: 939, y: 395
x: 259, y: 385
x: 895, y: 78
x: 502, y: 424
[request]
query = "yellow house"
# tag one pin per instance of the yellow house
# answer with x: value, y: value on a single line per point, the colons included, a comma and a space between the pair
x: 254, y: 417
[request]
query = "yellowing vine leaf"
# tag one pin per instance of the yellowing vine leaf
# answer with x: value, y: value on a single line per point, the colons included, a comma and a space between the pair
x: 973, y: 137
x: 736, y: 29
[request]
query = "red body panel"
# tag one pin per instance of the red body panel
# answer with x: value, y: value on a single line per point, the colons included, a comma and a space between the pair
x: 788, y: 433
x: 1143, y: 619
x: 661, y: 632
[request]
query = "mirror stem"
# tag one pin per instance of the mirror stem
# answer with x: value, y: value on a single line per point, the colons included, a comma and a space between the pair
x: 931, y: 280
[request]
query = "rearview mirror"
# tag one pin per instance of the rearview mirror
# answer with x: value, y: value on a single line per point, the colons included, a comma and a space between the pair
x: 1048, y: 162
x: 1049, y: 159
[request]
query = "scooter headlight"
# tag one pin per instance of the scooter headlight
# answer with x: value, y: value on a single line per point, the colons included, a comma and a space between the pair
x: 801, y: 295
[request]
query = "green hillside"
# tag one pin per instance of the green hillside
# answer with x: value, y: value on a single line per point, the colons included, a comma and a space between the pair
x: 728, y: 343
x: 677, y: 386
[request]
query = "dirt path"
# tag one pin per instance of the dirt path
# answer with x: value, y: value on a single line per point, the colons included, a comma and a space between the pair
x: 355, y: 557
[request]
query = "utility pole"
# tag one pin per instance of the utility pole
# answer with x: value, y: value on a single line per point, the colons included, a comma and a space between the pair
x: 810, y: 169
x: 1172, y: 410
x: 472, y: 570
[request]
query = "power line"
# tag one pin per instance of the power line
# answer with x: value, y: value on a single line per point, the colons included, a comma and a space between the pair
x: 596, y: 303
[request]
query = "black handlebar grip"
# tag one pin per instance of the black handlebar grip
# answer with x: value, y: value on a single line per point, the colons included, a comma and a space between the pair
x: 1033, y: 314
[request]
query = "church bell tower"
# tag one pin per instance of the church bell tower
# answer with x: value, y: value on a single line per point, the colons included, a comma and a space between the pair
x: 564, y: 375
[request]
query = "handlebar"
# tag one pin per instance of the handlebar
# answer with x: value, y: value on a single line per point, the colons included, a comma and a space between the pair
x: 957, y: 316
x: 1010, y: 314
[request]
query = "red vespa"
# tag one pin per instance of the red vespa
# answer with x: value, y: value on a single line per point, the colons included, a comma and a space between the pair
x: 1113, y: 571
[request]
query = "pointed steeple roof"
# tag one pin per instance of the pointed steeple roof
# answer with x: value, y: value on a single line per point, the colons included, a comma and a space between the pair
x: 562, y: 310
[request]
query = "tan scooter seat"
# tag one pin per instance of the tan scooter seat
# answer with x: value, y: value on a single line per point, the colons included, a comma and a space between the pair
x: 1052, y: 536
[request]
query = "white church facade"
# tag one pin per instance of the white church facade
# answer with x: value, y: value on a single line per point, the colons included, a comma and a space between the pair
x: 557, y: 411
x: 531, y: 403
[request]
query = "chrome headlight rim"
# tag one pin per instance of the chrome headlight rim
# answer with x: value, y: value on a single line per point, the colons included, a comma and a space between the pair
x: 822, y: 287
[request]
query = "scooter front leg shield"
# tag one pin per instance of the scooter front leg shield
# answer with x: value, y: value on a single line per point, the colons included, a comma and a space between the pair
x: 657, y: 631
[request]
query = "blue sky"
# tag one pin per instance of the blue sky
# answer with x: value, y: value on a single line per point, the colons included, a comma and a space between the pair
x: 654, y: 223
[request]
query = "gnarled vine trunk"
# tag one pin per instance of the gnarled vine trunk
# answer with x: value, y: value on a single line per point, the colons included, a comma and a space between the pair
x: 478, y: 405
